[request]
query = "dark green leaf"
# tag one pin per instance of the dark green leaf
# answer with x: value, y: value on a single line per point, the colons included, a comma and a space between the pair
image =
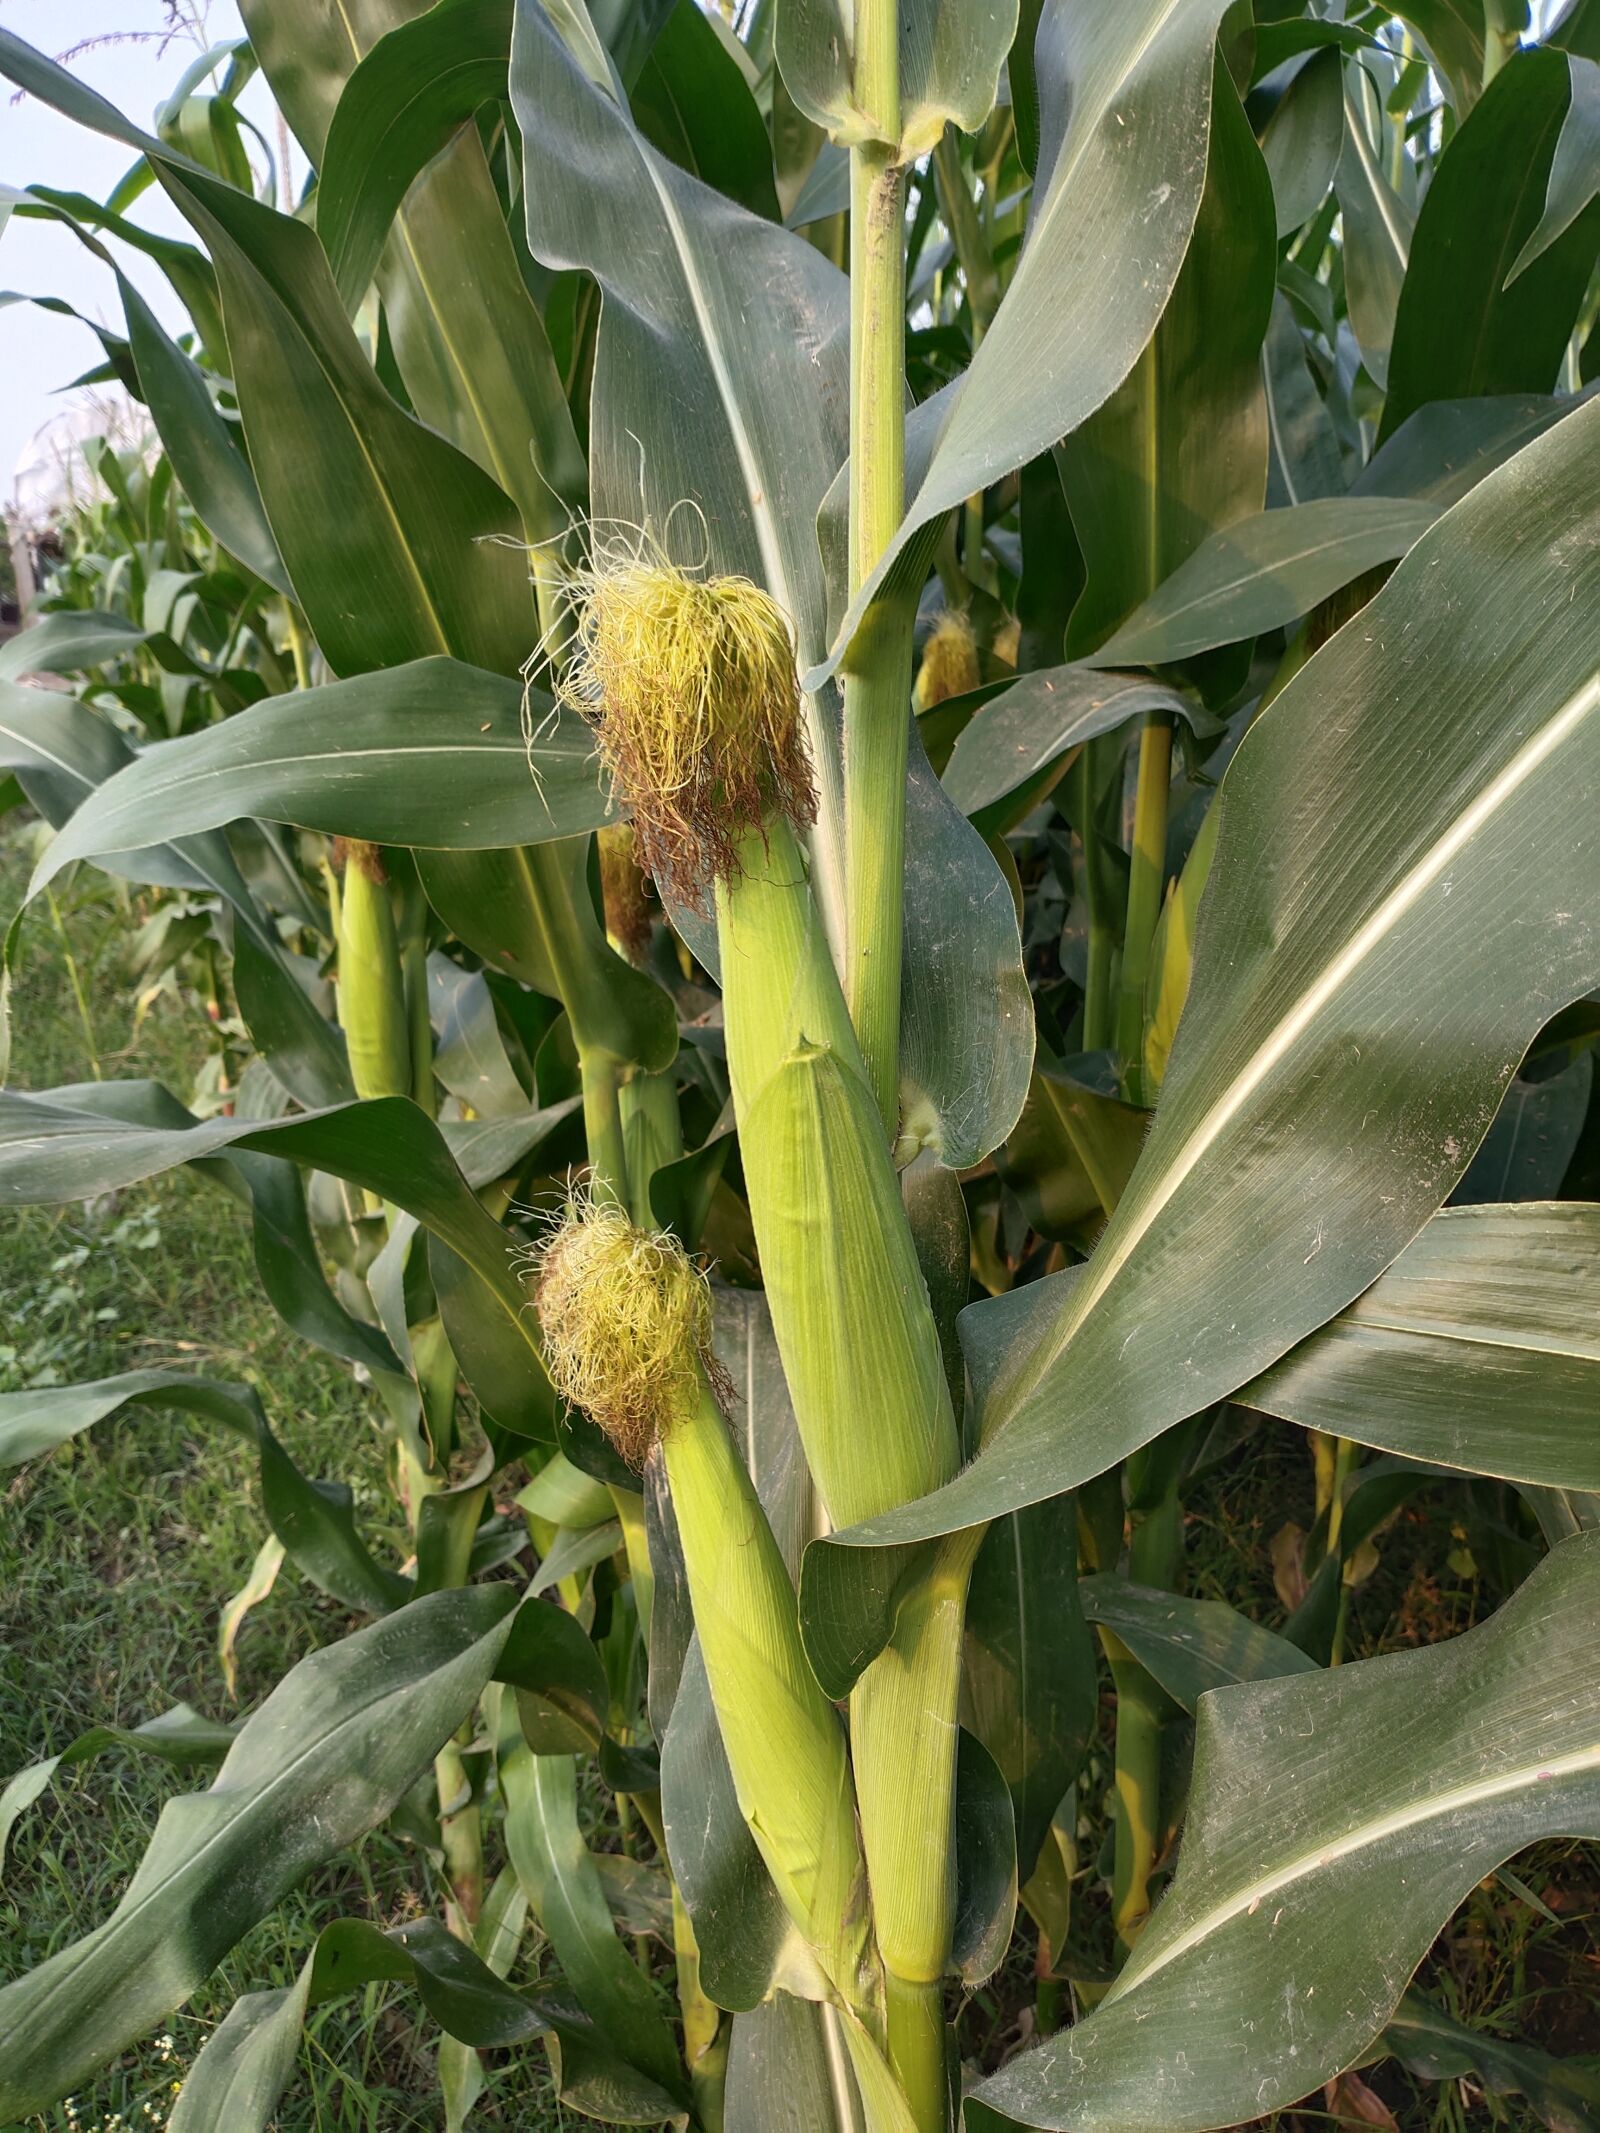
x: 1028, y: 1680
x: 1459, y: 330
x: 1475, y: 1350
x: 1265, y: 572
x: 1188, y: 1646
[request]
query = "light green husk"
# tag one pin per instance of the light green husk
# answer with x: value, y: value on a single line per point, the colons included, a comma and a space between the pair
x: 849, y: 1306
x: 372, y: 988
x: 626, y: 1319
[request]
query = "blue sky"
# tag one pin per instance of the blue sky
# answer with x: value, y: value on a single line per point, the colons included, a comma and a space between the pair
x: 40, y: 352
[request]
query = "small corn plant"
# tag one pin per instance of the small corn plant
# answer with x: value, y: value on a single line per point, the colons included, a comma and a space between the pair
x: 899, y: 813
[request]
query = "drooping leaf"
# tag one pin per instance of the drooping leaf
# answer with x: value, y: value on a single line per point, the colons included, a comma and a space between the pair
x: 180, y: 1737
x: 51, y: 1152
x: 1313, y: 1875
x: 400, y: 105
x: 34, y: 1422
x: 691, y: 99
x: 1476, y: 1349
x: 235, y: 2084
x: 398, y: 545
x: 324, y: 1759
x: 1574, y: 169
x: 1305, y: 463
x: 529, y: 911
x: 1026, y: 728
x: 63, y: 751
x: 1188, y: 1646
x: 416, y: 753
x: 1265, y: 572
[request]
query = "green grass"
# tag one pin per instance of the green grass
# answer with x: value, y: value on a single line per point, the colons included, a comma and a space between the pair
x: 119, y: 1551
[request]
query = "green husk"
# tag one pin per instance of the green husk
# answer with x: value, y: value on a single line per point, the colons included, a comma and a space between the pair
x: 626, y: 1319
x: 372, y: 986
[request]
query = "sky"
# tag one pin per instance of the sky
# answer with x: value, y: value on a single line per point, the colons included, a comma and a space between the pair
x: 39, y: 351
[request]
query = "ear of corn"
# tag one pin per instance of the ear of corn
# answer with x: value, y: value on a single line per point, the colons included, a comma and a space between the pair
x: 849, y: 1305
x: 372, y: 991
x: 784, y: 1742
x: 627, y: 1326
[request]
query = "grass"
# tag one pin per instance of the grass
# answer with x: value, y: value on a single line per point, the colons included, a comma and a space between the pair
x: 119, y: 1551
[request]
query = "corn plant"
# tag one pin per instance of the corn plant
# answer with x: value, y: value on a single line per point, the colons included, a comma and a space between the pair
x: 911, y: 832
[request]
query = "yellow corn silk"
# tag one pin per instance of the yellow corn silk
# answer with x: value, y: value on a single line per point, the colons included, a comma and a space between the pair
x: 691, y: 687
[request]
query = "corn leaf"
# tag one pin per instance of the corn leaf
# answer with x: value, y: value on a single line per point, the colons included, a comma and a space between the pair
x: 1314, y: 1874
x: 1475, y: 1350
x: 1333, y: 996
x: 326, y: 1757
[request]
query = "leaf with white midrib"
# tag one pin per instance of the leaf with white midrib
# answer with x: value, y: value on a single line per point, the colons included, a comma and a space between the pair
x: 1363, y: 986
x: 326, y: 1757
x: 1335, y: 1821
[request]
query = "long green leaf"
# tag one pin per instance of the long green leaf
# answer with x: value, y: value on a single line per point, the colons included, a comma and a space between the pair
x: 563, y: 1887
x: 1574, y: 169
x: 1315, y: 1872
x: 428, y: 751
x: 236, y: 2083
x: 1460, y: 330
x: 1264, y: 573
x: 63, y: 751
x: 326, y: 1757
x: 1477, y: 1349
x: 1360, y: 977
x: 1189, y: 1646
x: 1180, y: 447
x: 50, y: 1152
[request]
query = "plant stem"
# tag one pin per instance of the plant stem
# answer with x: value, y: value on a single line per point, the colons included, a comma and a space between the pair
x: 76, y: 976
x: 877, y: 680
x: 1146, y: 877
x: 461, y: 1835
x: 602, y: 1125
x: 983, y: 294
x: 1344, y: 1459
x: 917, y: 2049
x: 1097, y: 983
x: 705, y: 2049
x: 1152, y: 1560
